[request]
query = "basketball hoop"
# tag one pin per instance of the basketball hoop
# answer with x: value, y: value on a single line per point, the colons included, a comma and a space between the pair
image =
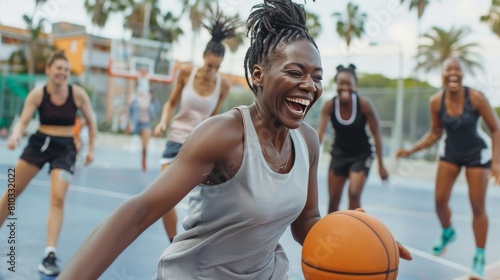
x: 155, y: 56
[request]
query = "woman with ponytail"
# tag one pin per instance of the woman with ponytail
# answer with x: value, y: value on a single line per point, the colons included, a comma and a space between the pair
x: 200, y: 92
x: 250, y: 172
x: 352, y: 153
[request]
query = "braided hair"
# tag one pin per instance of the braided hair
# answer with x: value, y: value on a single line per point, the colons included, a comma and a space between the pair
x: 269, y: 24
x: 350, y: 69
x: 220, y: 27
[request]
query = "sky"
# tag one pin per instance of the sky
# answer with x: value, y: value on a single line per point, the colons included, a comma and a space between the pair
x: 391, y: 33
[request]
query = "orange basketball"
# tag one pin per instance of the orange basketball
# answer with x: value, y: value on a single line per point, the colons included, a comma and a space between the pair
x: 350, y: 245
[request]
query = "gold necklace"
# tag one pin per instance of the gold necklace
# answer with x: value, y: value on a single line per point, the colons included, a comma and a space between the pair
x: 282, y: 167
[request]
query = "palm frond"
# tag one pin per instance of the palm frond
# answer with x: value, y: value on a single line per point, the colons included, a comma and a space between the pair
x: 441, y: 44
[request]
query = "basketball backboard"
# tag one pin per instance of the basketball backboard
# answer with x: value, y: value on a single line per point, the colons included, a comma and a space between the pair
x: 130, y: 55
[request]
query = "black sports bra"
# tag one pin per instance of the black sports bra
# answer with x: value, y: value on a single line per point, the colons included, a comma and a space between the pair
x: 51, y: 114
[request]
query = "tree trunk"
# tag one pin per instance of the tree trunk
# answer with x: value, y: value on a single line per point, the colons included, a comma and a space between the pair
x: 414, y: 99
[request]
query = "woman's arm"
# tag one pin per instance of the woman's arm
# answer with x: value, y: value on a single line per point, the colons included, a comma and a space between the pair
x: 206, y: 146
x: 491, y: 119
x: 310, y: 214
x: 326, y: 111
x: 88, y: 113
x: 174, y: 98
x: 435, y: 132
x: 372, y: 119
x: 163, y: 80
x: 224, y: 92
x: 31, y: 103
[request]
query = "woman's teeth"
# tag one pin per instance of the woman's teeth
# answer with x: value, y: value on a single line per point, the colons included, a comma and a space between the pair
x: 301, y: 101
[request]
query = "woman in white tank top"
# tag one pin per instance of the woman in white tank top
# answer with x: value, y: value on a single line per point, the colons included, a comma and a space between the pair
x: 199, y: 92
x: 250, y: 173
x: 143, y: 107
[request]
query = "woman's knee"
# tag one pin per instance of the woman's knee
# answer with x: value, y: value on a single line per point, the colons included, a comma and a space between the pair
x: 478, y: 208
x: 57, y: 201
x: 441, y: 203
x: 354, y: 196
x: 57, y: 198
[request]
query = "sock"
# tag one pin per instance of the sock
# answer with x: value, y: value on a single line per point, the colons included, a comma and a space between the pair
x: 447, y: 231
x: 48, y: 250
x: 480, y: 251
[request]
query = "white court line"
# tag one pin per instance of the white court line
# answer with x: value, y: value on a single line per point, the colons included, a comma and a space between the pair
x: 486, y: 269
x: 87, y: 190
x: 438, y: 260
x: 81, y: 189
x: 422, y: 214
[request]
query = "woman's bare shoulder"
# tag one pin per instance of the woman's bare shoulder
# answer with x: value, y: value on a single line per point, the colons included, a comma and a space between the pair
x: 435, y: 100
x: 221, y: 131
x: 312, y: 140
x: 35, y: 96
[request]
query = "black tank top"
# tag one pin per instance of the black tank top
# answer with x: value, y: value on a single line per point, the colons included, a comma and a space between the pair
x: 350, y: 135
x: 462, y: 131
x: 51, y: 114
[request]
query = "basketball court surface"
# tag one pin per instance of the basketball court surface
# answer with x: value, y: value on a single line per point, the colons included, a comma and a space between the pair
x: 406, y: 207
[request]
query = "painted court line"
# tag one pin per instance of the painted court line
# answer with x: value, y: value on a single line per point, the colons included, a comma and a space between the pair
x: 87, y: 190
x: 489, y: 268
x: 438, y: 260
x: 81, y: 189
x: 422, y: 214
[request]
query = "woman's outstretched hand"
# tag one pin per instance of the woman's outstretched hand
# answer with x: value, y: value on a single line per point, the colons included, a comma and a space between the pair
x: 403, y: 153
x: 159, y: 129
x: 403, y: 252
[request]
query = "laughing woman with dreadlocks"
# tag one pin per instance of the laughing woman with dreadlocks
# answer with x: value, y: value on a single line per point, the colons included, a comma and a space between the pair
x: 200, y: 92
x: 250, y: 172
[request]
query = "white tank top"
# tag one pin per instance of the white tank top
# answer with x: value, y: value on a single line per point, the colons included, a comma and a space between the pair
x: 194, y: 108
x: 233, y: 229
x: 143, y: 103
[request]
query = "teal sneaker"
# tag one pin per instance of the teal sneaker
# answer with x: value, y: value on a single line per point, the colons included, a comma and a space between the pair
x: 478, y: 267
x: 443, y: 241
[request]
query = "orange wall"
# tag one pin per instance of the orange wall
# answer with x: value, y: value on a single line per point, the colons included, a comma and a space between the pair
x: 73, y: 49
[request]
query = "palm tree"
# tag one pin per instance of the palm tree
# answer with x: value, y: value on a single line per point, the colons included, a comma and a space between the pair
x: 37, y: 51
x: 420, y: 6
x: 235, y: 42
x: 352, y: 25
x: 313, y: 24
x: 37, y: 4
x: 167, y: 29
x: 198, y: 9
x: 493, y: 17
x: 443, y: 44
x: 140, y: 13
x: 31, y: 57
x: 100, y: 10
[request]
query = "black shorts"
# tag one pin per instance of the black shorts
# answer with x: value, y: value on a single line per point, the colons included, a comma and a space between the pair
x: 475, y: 158
x: 60, y: 152
x: 171, y: 151
x: 470, y: 162
x: 342, y: 165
